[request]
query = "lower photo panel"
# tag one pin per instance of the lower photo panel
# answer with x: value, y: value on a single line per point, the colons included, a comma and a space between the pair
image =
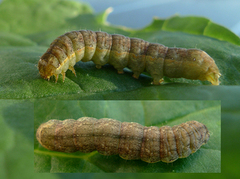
x: 127, y: 136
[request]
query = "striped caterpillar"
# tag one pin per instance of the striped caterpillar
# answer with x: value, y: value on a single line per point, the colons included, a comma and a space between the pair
x: 120, y: 51
x: 128, y: 139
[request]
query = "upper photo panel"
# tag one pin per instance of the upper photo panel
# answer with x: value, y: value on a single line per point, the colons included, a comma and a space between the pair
x: 66, y: 50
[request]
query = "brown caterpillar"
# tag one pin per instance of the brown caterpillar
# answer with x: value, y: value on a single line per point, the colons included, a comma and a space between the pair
x: 120, y: 51
x: 130, y: 140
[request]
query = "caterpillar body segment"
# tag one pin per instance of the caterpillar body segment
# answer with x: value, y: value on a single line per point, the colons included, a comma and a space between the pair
x: 131, y: 141
x: 121, y: 51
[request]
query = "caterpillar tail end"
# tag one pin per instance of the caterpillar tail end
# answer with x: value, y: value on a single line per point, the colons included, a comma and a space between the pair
x: 212, y: 74
x: 214, y: 78
x: 210, y: 70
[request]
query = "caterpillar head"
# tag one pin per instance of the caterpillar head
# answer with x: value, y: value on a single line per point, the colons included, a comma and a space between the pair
x: 47, y: 65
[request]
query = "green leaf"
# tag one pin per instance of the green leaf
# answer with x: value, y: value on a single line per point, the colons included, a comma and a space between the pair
x: 16, y: 143
x: 9, y: 39
x: 194, y: 25
x: 148, y: 113
x: 33, y: 16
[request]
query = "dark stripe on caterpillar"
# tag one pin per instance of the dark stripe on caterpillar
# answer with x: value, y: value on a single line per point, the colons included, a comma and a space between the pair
x: 120, y: 51
x: 128, y: 139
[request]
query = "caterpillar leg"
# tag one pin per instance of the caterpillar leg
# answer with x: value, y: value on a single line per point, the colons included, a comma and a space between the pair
x: 157, y: 81
x: 136, y: 75
x: 73, y: 70
x: 120, y: 71
x: 56, y: 78
x: 98, y: 66
x: 63, y: 74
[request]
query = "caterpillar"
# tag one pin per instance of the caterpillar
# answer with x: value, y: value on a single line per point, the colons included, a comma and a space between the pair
x: 121, y: 51
x: 128, y: 139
